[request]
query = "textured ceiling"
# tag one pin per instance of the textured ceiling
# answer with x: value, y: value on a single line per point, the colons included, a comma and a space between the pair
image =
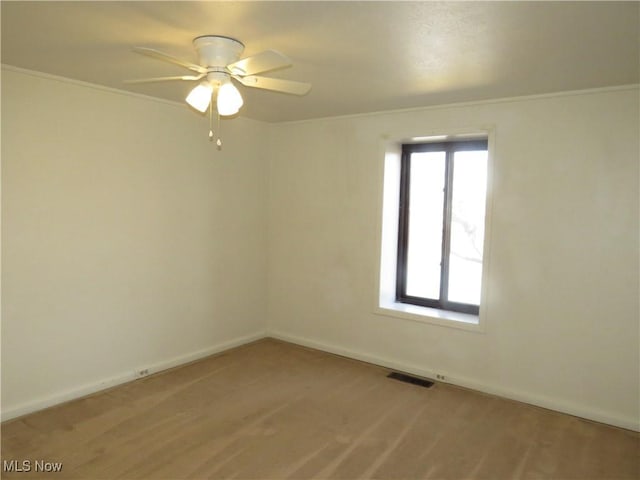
x: 359, y: 56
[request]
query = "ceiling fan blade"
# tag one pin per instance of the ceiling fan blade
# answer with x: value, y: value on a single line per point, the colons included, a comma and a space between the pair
x: 275, y: 84
x: 260, y: 62
x: 165, y: 79
x: 168, y: 58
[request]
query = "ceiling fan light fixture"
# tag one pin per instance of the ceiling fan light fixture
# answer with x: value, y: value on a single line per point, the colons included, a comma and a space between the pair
x: 200, y: 97
x: 229, y: 99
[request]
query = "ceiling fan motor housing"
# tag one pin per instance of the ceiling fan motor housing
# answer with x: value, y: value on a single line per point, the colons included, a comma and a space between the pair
x: 217, y: 51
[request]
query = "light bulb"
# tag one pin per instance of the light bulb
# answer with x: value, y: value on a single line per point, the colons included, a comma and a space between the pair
x: 229, y: 99
x: 200, y: 97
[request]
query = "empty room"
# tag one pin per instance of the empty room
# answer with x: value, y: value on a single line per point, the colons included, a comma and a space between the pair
x: 338, y: 240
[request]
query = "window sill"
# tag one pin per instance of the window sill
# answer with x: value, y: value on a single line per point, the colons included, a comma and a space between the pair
x: 445, y: 318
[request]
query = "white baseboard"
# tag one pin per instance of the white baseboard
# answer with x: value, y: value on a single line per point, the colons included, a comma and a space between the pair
x: 93, y: 387
x: 582, y: 411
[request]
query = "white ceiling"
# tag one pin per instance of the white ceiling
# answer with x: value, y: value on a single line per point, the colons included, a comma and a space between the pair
x: 359, y: 56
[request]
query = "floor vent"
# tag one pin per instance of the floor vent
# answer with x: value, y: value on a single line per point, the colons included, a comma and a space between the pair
x: 409, y: 379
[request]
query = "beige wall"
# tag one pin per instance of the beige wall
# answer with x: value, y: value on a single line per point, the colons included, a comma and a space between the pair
x: 561, y: 319
x: 128, y: 240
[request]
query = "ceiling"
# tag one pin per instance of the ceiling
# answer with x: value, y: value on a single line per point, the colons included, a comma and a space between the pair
x: 359, y: 56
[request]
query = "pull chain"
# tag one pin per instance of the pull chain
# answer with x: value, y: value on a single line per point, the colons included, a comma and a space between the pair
x: 219, y: 142
x: 211, y: 121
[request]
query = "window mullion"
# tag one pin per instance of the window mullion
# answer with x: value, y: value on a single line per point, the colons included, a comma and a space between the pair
x: 446, y: 229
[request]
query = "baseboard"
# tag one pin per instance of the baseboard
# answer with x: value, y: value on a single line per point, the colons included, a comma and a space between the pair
x: 90, y: 388
x: 191, y: 357
x: 581, y: 411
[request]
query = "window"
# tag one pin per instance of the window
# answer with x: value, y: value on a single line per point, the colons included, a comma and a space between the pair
x: 441, y: 225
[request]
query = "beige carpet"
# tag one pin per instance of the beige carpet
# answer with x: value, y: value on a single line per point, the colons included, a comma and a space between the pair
x: 272, y: 410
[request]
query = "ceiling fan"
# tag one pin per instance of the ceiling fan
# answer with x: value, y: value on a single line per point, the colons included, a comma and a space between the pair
x: 219, y: 62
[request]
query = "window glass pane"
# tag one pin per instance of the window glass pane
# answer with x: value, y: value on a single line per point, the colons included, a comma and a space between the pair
x: 425, y: 224
x: 467, y: 226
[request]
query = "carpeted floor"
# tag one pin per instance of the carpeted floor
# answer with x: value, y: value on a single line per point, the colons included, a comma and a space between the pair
x: 271, y: 410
